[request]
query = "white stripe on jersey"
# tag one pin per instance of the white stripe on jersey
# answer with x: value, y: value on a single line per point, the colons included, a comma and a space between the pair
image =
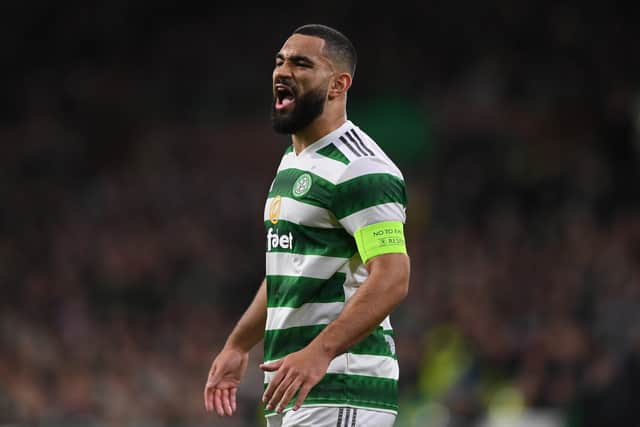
x: 301, y: 213
x: 369, y: 165
x: 314, y: 266
x: 306, y: 315
x: 357, y: 364
x: 386, y: 324
x: 322, y: 166
x: 372, y: 215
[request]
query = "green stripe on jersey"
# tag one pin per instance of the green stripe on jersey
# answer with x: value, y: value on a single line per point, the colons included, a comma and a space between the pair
x: 280, y: 342
x: 334, y: 242
x: 319, y: 194
x: 332, y: 152
x: 367, y: 190
x: 374, y: 344
x: 288, y: 150
x: 346, y: 198
x: 358, y: 390
x: 292, y: 291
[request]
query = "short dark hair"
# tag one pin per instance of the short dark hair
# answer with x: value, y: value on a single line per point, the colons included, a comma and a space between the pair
x: 337, y: 46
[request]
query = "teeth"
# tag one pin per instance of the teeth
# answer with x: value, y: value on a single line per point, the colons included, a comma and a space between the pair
x: 283, y: 100
x: 284, y: 90
x: 284, y: 95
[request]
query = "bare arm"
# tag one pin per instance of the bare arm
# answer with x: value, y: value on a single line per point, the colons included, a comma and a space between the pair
x: 250, y: 328
x: 229, y: 366
x: 386, y: 286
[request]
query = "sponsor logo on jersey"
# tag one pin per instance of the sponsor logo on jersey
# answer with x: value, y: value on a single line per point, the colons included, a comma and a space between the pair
x: 276, y: 240
x: 302, y: 185
x: 274, y: 209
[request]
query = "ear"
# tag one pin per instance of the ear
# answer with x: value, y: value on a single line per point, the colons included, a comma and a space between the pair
x: 339, y: 85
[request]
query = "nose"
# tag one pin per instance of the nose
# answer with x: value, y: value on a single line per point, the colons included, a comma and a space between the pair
x: 283, y: 70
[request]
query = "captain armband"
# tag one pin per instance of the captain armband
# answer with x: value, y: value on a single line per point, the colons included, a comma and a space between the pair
x: 380, y: 238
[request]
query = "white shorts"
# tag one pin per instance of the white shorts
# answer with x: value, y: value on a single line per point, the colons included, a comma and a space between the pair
x: 323, y: 416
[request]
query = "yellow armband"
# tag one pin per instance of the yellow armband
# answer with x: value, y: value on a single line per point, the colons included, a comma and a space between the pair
x: 380, y: 238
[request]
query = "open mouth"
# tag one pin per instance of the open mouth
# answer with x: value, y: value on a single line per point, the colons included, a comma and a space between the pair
x: 284, y: 96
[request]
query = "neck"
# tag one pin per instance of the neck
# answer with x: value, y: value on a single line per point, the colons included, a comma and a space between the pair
x: 321, y: 126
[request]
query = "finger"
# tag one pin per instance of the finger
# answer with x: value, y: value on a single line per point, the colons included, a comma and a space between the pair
x: 226, y: 404
x: 304, y: 391
x: 208, y: 398
x: 218, y: 402
x: 289, y: 393
x: 208, y: 390
x: 233, y: 398
x: 270, y: 367
x: 273, y: 385
x: 279, y: 392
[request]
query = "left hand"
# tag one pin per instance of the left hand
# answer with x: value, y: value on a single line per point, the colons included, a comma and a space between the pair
x: 298, y: 371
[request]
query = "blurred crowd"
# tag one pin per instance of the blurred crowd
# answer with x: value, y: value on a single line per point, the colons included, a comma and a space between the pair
x: 116, y: 295
x: 136, y: 157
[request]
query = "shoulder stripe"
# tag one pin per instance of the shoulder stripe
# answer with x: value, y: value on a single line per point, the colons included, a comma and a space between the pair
x: 358, y: 144
x: 345, y: 142
x: 354, y: 142
x: 353, y: 131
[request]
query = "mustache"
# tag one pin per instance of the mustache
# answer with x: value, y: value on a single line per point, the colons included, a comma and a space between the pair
x: 289, y: 82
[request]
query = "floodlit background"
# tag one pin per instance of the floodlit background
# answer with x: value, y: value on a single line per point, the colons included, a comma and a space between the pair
x: 136, y: 154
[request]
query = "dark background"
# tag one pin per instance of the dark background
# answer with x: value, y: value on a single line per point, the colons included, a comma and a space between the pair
x: 136, y: 153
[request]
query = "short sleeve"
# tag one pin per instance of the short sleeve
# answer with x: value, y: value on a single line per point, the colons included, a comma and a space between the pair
x: 369, y: 192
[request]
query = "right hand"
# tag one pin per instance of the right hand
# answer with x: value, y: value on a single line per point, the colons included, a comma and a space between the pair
x: 227, y: 369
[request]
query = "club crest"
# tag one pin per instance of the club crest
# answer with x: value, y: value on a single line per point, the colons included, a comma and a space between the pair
x: 302, y: 185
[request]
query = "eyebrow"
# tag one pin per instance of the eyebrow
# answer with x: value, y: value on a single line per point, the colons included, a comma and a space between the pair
x: 295, y: 58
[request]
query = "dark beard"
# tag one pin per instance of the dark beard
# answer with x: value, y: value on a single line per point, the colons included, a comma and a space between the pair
x: 306, y: 109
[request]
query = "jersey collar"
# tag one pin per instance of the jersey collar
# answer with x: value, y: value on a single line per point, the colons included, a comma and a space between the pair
x: 327, y: 139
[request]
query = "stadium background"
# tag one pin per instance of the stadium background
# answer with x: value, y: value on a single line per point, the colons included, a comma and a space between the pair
x: 136, y: 152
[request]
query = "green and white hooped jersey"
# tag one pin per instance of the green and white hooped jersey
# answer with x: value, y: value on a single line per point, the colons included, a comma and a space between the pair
x: 337, y: 203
